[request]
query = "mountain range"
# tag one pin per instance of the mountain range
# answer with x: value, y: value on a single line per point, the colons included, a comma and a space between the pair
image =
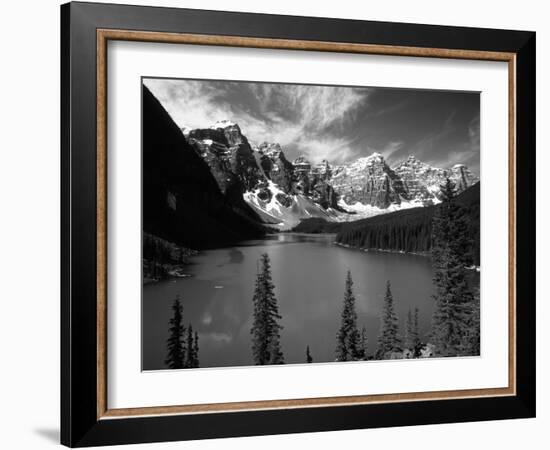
x: 282, y: 192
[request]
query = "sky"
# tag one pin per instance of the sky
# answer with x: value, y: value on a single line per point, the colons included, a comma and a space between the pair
x: 336, y: 123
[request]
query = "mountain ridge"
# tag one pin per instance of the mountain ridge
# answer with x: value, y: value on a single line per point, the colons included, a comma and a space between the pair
x: 283, y: 193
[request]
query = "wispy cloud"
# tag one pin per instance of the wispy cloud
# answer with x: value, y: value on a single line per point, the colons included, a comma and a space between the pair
x: 463, y: 151
x: 474, y: 132
x: 191, y: 103
x: 390, y: 109
x: 334, y: 149
x: 308, y: 118
x: 334, y: 123
x: 430, y: 143
x: 468, y: 152
x: 389, y: 150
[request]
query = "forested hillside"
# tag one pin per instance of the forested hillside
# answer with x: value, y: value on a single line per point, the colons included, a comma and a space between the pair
x: 411, y: 230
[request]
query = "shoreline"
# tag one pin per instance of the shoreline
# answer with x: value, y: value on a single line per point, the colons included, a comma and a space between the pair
x: 401, y: 252
x: 382, y: 250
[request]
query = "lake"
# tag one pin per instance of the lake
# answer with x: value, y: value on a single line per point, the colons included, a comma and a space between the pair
x: 309, y: 274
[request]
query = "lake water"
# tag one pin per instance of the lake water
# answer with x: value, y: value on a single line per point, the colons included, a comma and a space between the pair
x: 309, y: 274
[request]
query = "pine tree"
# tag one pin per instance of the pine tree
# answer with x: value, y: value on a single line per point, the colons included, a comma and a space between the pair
x: 408, y: 342
x: 451, y: 320
x: 309, y: 359
x: 363, y: 343
x: 416, y: 340
x: 266, y: 338
x: 190, y: 348
x: 175, y: 358
x: 473, y: 336
x: 196, y: 350
x: 388, y: 340
x: 412, y: 339
x: 347, y: 339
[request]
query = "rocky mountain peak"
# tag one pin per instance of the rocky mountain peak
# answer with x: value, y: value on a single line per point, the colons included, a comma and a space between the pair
x: 411, y: 163
x: 223, y: 124
x: 323, y: 169
x: 301, y: 165
x: 462, y: 177
x: 301, y: 160
x: 271, y: 149
x: 365, y: 162
x: 272, y: 184
x: 370, y: 181
x: 231, y: 130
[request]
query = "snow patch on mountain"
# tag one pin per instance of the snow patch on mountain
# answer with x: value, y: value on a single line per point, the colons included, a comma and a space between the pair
x: 285, y: 217
x: 282, y: 192
x: 223, y: 124
x: 362, y: 211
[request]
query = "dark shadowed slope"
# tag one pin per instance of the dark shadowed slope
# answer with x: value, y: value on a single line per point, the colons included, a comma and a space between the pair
x: 181, y: 200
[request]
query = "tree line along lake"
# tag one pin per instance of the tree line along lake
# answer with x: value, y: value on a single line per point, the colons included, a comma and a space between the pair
x: 309, y: 272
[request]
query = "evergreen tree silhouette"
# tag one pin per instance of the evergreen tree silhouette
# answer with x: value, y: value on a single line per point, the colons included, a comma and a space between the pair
x: 175, y: 358
x: 266, y: 338
x: 196, y: 350
x: 347, y: 340
x: 190, y: 348
x: 452, y: 317
x: 388, y: 340
x: 411, y: 339
x: 416, y: 340
x: 473, y: 338
x: 363, y: 343
x: 309, y: 359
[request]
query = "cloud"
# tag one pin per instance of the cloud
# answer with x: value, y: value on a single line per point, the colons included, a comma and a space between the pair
x: 390, y: 109
x: 190, y: 103
x: 330, y: 122
x: 309, y: 119
x: 474, y: 132
x: 431, y: 141
x: 467, y: 153
x: 389, y: 150
x: 464, y: 151
x: 334, y: 149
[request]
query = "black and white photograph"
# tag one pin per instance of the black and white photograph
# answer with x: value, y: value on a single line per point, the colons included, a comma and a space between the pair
x: 233, y: 225
x: 296, y: 224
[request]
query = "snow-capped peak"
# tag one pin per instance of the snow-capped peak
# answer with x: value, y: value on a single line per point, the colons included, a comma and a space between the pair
x: 185, y: 130
x: 223, y: 124
x: 268, y: 148
x: 301, y: 160
x: 375, y: 157
x: 366, y: 161
x: 414, y: 163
